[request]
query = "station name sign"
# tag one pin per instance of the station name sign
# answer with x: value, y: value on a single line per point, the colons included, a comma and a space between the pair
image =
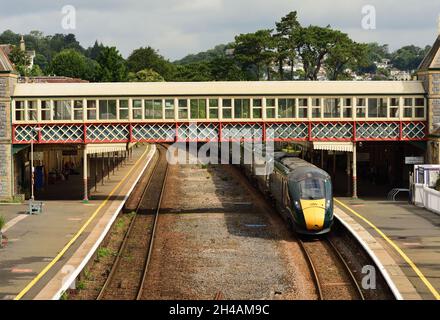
x: 414, y: 160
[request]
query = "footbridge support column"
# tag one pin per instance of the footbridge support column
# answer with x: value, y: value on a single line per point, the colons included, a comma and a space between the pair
x: 354, y: 170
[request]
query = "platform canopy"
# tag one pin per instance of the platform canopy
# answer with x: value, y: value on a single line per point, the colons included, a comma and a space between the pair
x: 333, y: 146
x: 107, y: 147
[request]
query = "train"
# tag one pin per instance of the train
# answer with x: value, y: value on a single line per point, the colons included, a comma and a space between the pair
x: 302, y: 192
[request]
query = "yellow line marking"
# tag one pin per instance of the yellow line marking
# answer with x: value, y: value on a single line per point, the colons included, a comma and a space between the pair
x: 408, y: 260
x: 78, y: 234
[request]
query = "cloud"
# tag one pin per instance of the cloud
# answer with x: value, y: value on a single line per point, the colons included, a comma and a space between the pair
x: 179, y: 27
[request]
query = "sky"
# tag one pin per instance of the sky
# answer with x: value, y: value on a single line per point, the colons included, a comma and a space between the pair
x: 180, y: 27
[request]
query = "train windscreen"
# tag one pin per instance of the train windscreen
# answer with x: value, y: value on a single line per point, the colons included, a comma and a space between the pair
x: 312, y: 188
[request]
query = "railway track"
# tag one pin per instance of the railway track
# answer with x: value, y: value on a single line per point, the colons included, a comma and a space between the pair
x: 127, y: 276
x: 331, y: 274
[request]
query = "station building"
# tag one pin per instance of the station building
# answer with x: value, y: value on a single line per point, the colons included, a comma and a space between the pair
x: 371, y: 131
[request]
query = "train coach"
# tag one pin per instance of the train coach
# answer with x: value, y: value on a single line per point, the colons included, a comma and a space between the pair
x: 301, y: 191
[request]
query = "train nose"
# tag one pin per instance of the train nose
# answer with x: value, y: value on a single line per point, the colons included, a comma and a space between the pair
x: 314, y: 218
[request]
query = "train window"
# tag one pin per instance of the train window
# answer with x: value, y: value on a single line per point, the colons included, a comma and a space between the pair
x: 312, y: 188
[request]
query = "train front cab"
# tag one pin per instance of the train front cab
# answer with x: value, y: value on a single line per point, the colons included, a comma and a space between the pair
x: 311, y: 200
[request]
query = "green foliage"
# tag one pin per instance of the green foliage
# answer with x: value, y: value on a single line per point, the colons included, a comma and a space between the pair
x: 146, y: 75
x: 408, y: 58
x: 2, y: 222
x: 81, y: 285
x: 255, y: 51
x: 113, y: 68
x: 69, y: 63
x: 205, y: 56
x: 148, y: 58
x: 196, y: 72
x: 286, y: 42
x: 103, y: 252
x: 345, y: 54
x: 20, y: 60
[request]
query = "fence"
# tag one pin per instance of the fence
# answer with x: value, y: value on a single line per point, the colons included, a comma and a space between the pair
x: 426, y: 197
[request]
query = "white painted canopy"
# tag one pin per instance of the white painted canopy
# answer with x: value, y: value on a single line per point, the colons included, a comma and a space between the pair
x: 333, y: 146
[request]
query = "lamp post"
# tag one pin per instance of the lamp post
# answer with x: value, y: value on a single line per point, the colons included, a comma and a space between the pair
x: 34, y: 130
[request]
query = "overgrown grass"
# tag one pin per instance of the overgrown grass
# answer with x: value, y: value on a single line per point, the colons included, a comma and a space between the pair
x: 102, y: 253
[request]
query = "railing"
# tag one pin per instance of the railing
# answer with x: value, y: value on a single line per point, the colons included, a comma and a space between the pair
x: 426, y: 197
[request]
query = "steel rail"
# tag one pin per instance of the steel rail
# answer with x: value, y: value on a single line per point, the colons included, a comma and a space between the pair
x: 127, y: 235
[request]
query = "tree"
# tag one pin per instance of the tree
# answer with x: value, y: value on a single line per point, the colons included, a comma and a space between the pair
x: 112, y: 65
x: 345, y: 54
x: 146, y: 75
x: 314, y: 44
x: 69, y: 63
x: 205, y: 56
x: 148, y: 58
x: 255, y: 50
x: 286, y: 42
x: 408, y: 58
x: 93, y: 52
x: 374, y: 53
x: 199, y: 71
x: 21, y: 60
x: 225, y: 69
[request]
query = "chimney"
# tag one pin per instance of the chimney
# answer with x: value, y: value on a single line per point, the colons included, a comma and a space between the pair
x: 23, y: 46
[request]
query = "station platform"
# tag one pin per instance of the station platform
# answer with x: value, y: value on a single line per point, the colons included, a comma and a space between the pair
x: 40, y: 247
x: 409, y: 235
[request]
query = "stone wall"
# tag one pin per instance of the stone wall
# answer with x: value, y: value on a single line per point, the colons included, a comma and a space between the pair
x: 7, y: 83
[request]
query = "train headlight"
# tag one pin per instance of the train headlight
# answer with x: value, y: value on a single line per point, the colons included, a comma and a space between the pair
x: 298, y: 205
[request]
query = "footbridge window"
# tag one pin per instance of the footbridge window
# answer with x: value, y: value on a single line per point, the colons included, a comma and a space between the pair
x: 377, y: 107
x: 213, y: 108
x: 46, y: 110
x: 198, y: 108
x: 153, y: 109
x: 20, y: 110
x: 137, y: 109
x: 91, y: 109
x: 332, y: 108
x: 62, y: 110
x: 123, y: 109
x: 257, y: 108
x: 303, y: 104
x: 227, y: 109
x: 270, y: 108
x: 107, y: 109
x: 32, y: 110
x: 169, y: 109
x: 183, y: 109
x: 242, y: 108
x: 286, y: 108
x: 78, y: 110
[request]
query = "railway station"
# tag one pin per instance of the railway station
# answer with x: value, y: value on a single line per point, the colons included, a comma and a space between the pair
x: 78, y: 153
